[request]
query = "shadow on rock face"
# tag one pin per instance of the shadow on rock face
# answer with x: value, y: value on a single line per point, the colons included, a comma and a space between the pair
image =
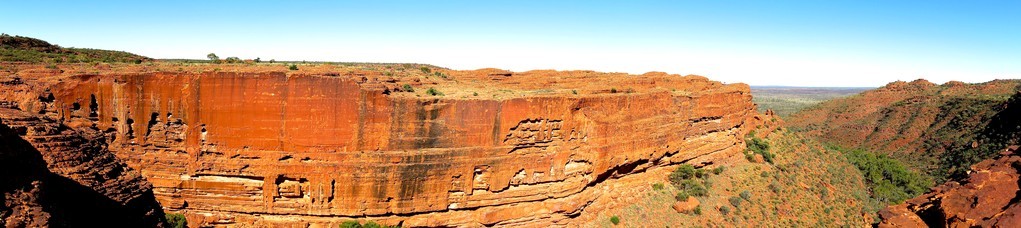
x: 35, y: 197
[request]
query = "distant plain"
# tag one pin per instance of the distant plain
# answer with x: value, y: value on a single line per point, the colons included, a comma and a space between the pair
x: 786, y: 100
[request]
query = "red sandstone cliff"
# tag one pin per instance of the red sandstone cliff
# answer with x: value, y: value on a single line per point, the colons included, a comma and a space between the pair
x: 317, y: 147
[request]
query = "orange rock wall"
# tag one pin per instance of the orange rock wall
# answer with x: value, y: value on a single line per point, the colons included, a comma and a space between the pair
x: 300, y: 149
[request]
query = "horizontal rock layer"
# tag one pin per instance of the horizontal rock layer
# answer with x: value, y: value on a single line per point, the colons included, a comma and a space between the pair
x: 274, y: 148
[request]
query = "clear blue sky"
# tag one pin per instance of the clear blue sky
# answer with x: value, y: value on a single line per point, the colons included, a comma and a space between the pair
x: 808, y: 43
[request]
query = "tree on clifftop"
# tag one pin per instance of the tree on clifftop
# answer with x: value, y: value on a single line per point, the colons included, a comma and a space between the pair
x: 213, y: 57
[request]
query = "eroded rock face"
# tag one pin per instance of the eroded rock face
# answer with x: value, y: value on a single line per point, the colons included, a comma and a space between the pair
x: 54, y: 176
x: 987, y: 198
x: 275, y: 148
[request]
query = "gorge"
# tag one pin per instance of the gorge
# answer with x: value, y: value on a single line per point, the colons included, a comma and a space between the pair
x: 264, y: 146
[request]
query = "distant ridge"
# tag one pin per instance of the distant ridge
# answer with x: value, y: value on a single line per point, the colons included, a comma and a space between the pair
x: 938, y: 129
x: 32, y: 50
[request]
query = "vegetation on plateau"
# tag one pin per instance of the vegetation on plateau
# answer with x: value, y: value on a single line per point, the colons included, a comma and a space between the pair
x: 27, y: 49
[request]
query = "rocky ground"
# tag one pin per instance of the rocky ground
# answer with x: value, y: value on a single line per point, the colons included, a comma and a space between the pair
x: 987, y: 198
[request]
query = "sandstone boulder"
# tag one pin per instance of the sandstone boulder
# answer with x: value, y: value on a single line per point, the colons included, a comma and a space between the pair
x: 686, y: 206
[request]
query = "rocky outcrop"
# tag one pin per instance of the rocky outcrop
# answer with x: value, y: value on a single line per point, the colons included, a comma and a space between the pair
x: 987, y: 198
x: 54, y: 176
x: 318, y: 147
x: 686, y: 206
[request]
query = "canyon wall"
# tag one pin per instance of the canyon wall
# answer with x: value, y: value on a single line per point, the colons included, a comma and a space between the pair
x: 53, y: 176
x: 312, y: 148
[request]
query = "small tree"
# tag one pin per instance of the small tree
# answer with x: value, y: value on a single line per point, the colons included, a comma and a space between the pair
x: 685, y: 171
x: 615, y: 220
x: 257, y: 59
x: 212, y: 57
x: 293, y: 67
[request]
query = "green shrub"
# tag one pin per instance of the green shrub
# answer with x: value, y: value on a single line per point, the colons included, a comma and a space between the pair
x: 425, y: 70
x: 657, y: 186
x: 718, y: 170
x: 698, y: 210
x: 746, y: 195
x: 758, y: 146
x: 176, y: 220
x: 724, y: 210
x: 681, y: 196
x: 701, y: 173
x: 774, y: 187
x: 407, y: 88
x: 685, y: 171
x: 734, y: 200
x: 693, y: 187
x: 293, y: 67
x: 351, y: 224
x: 613, y: 90
x: 684, y: 179
x: 748, y: 155
x: 433, y: 92
x: 440, y: 74
x: 615, y: 220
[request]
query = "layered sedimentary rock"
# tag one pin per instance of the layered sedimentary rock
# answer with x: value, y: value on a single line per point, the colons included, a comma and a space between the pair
x: 319, y: 147
x: 987, y: 198
x: 51, y: 175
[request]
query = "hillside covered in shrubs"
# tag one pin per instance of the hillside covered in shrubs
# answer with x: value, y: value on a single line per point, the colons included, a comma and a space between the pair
x: 32, y: 50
